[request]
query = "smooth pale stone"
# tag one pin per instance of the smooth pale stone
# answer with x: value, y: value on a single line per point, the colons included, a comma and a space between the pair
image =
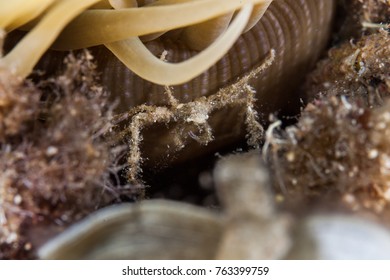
x: 340, y: 237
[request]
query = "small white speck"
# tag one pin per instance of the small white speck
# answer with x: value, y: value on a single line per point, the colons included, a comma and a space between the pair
x: 290, y: 156
x: 372, y: 154
x: 294, y: 181
x: 386, y: 116
x: 386, y: 194
x: 51, y: 151
x: 349, y: 198
x: 12, y: 237
x: 17, y: 199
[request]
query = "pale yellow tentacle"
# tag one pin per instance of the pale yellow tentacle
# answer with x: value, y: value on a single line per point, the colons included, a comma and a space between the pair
x: 23, y: 57
x: 121, y: 4
x: 140, y: 60
x: 257, y: 14
x: 114, y: 25
x: 200, y: 36
x: 14, y: 13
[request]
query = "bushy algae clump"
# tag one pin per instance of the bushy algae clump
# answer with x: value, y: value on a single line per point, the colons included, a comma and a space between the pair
x: 340, y: 146
x: 55, y: 161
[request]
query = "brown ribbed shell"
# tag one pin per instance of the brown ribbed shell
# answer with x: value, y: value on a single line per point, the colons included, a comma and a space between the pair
x: 297, y: 29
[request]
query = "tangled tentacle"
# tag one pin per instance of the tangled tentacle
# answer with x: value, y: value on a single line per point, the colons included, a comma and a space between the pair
x: 116, y: 23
